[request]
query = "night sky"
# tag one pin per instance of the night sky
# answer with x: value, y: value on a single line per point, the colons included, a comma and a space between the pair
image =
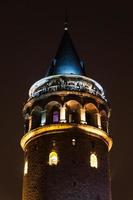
x: 30, y: 33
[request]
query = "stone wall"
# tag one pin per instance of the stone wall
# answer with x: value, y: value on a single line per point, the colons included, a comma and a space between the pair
x: 72, y: 178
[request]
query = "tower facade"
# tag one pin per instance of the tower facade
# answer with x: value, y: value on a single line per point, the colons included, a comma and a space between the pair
x: 66, y: 140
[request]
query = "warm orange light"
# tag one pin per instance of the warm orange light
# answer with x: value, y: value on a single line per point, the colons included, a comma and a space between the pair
x: 99, y: 120
x: 26, y: 167
x: 54, y: 128
x: 93, y: 160
x: 63, y: 114
x: 82, y: 116
x: 53, y: 158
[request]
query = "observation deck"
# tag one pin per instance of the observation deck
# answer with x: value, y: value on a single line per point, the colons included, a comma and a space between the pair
x: 66, y: 83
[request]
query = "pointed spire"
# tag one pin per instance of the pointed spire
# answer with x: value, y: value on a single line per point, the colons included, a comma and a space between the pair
x: 66, y: 60
x: 66, y: 21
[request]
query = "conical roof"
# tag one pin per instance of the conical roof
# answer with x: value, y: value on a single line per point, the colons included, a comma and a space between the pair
x: 66, y: 60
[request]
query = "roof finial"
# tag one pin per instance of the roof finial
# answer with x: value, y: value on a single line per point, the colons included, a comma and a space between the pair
x: 66, y: 21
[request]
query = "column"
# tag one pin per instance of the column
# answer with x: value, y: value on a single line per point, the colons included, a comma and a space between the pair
x: 98, y: 120
x: 82, y: 116
x: 63, y: 114
x: 43, y: 118
x: 30, y: 123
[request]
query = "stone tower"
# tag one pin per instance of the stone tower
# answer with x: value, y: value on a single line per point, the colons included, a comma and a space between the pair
x: 66, y: 140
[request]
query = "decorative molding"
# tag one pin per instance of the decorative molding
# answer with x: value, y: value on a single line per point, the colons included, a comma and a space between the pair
x: 66, y: 82
x: 58, y: 128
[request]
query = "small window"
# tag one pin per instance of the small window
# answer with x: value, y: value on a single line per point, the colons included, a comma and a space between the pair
x: 73, y: 142
x: 26, y: 167
x: 53, y: 158
x: 93, y: 160
x: 55, y: 117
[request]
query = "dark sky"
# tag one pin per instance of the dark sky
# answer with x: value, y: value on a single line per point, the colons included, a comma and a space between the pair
x: 30, y: 32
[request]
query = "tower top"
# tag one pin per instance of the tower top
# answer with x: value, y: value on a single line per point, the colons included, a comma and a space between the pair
x: 66, y: 60
x: 66, y: 21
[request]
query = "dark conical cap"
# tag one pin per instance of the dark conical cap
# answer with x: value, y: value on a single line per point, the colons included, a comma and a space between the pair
x: 66, y: 60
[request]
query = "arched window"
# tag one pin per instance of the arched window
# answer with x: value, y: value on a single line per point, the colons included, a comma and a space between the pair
x: 36, y: 117
x: 53, y: 158
x: 55, y: 116
x: 73, y: 111
x: 93, y: 160
x: 52, y: 112
x: 26, y: 167
x: 91, y: 114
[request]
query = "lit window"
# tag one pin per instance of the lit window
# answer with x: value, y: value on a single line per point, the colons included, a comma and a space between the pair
x: 53, y: 158
x: 26, y: 167
x: 55, y: 117
x: 93, y: 160
x: 73, y: 142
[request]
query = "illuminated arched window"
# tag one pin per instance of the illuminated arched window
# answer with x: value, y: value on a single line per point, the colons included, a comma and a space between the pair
x: 93, y: 160
x: 53, y: 158
x: 91, y: 114
x: 73, y: 111
x: 55, y: 116
x: 26, y: 167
